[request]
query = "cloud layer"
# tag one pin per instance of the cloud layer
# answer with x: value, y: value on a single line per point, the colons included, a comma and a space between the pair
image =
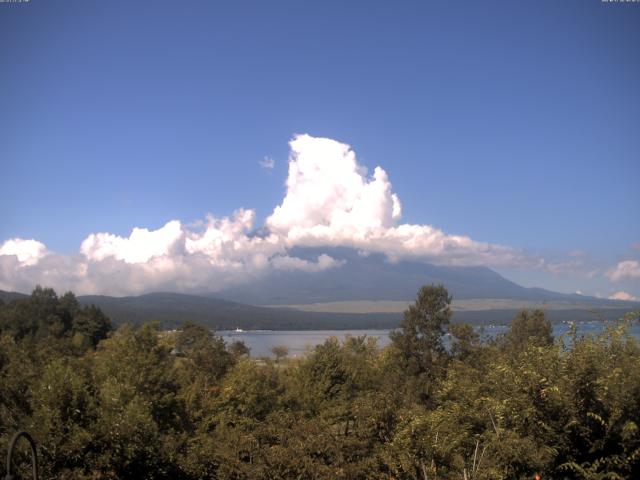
x: 330, y: 200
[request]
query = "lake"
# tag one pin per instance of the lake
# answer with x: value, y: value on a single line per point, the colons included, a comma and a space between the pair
x: 299, y: 341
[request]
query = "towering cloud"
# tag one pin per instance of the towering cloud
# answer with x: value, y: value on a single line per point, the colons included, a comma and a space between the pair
x: 330, y: 200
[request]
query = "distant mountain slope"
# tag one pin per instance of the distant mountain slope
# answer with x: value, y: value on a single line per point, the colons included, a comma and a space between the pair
x: 359, y: 278
x: 373, y: 277
x: 173, y: 308
x: 6, y: 297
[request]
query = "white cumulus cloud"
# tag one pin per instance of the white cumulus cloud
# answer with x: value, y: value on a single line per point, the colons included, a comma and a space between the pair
x: 628, y: 269
x: 27, y: 252
x: 330, y: 200
x: 141, y: 246
x: 227, y: 243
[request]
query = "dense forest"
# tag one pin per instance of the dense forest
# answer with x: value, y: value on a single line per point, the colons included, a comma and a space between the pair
x: 139, y: 402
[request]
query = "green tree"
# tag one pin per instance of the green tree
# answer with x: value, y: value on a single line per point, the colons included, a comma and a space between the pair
x: 90, y: 325
x: 238, y: 349
x: 529, y: 327
x: 418, y: 344
x: 206, y: 350
x: 465, y: 342
x: 139, y: 405
x: 201, y: 362
x: 43, y: 317
x: 64, y: 412
x: 280, y: 352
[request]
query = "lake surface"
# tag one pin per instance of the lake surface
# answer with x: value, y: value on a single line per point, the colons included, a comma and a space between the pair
x: 300, y: 341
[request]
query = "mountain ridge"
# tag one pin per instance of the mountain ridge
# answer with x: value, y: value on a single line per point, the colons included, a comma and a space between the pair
x: 172, y: 309
x: 293, y: 300
x: 374, y: 277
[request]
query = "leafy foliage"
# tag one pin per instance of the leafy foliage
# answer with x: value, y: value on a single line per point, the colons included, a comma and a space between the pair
x: 143, y: 403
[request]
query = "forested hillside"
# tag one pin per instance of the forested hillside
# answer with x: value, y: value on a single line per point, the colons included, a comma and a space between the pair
x: 138, y: 402
x: 172, y: 309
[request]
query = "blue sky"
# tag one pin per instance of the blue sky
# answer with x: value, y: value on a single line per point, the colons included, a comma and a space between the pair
x: 512, y: 123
